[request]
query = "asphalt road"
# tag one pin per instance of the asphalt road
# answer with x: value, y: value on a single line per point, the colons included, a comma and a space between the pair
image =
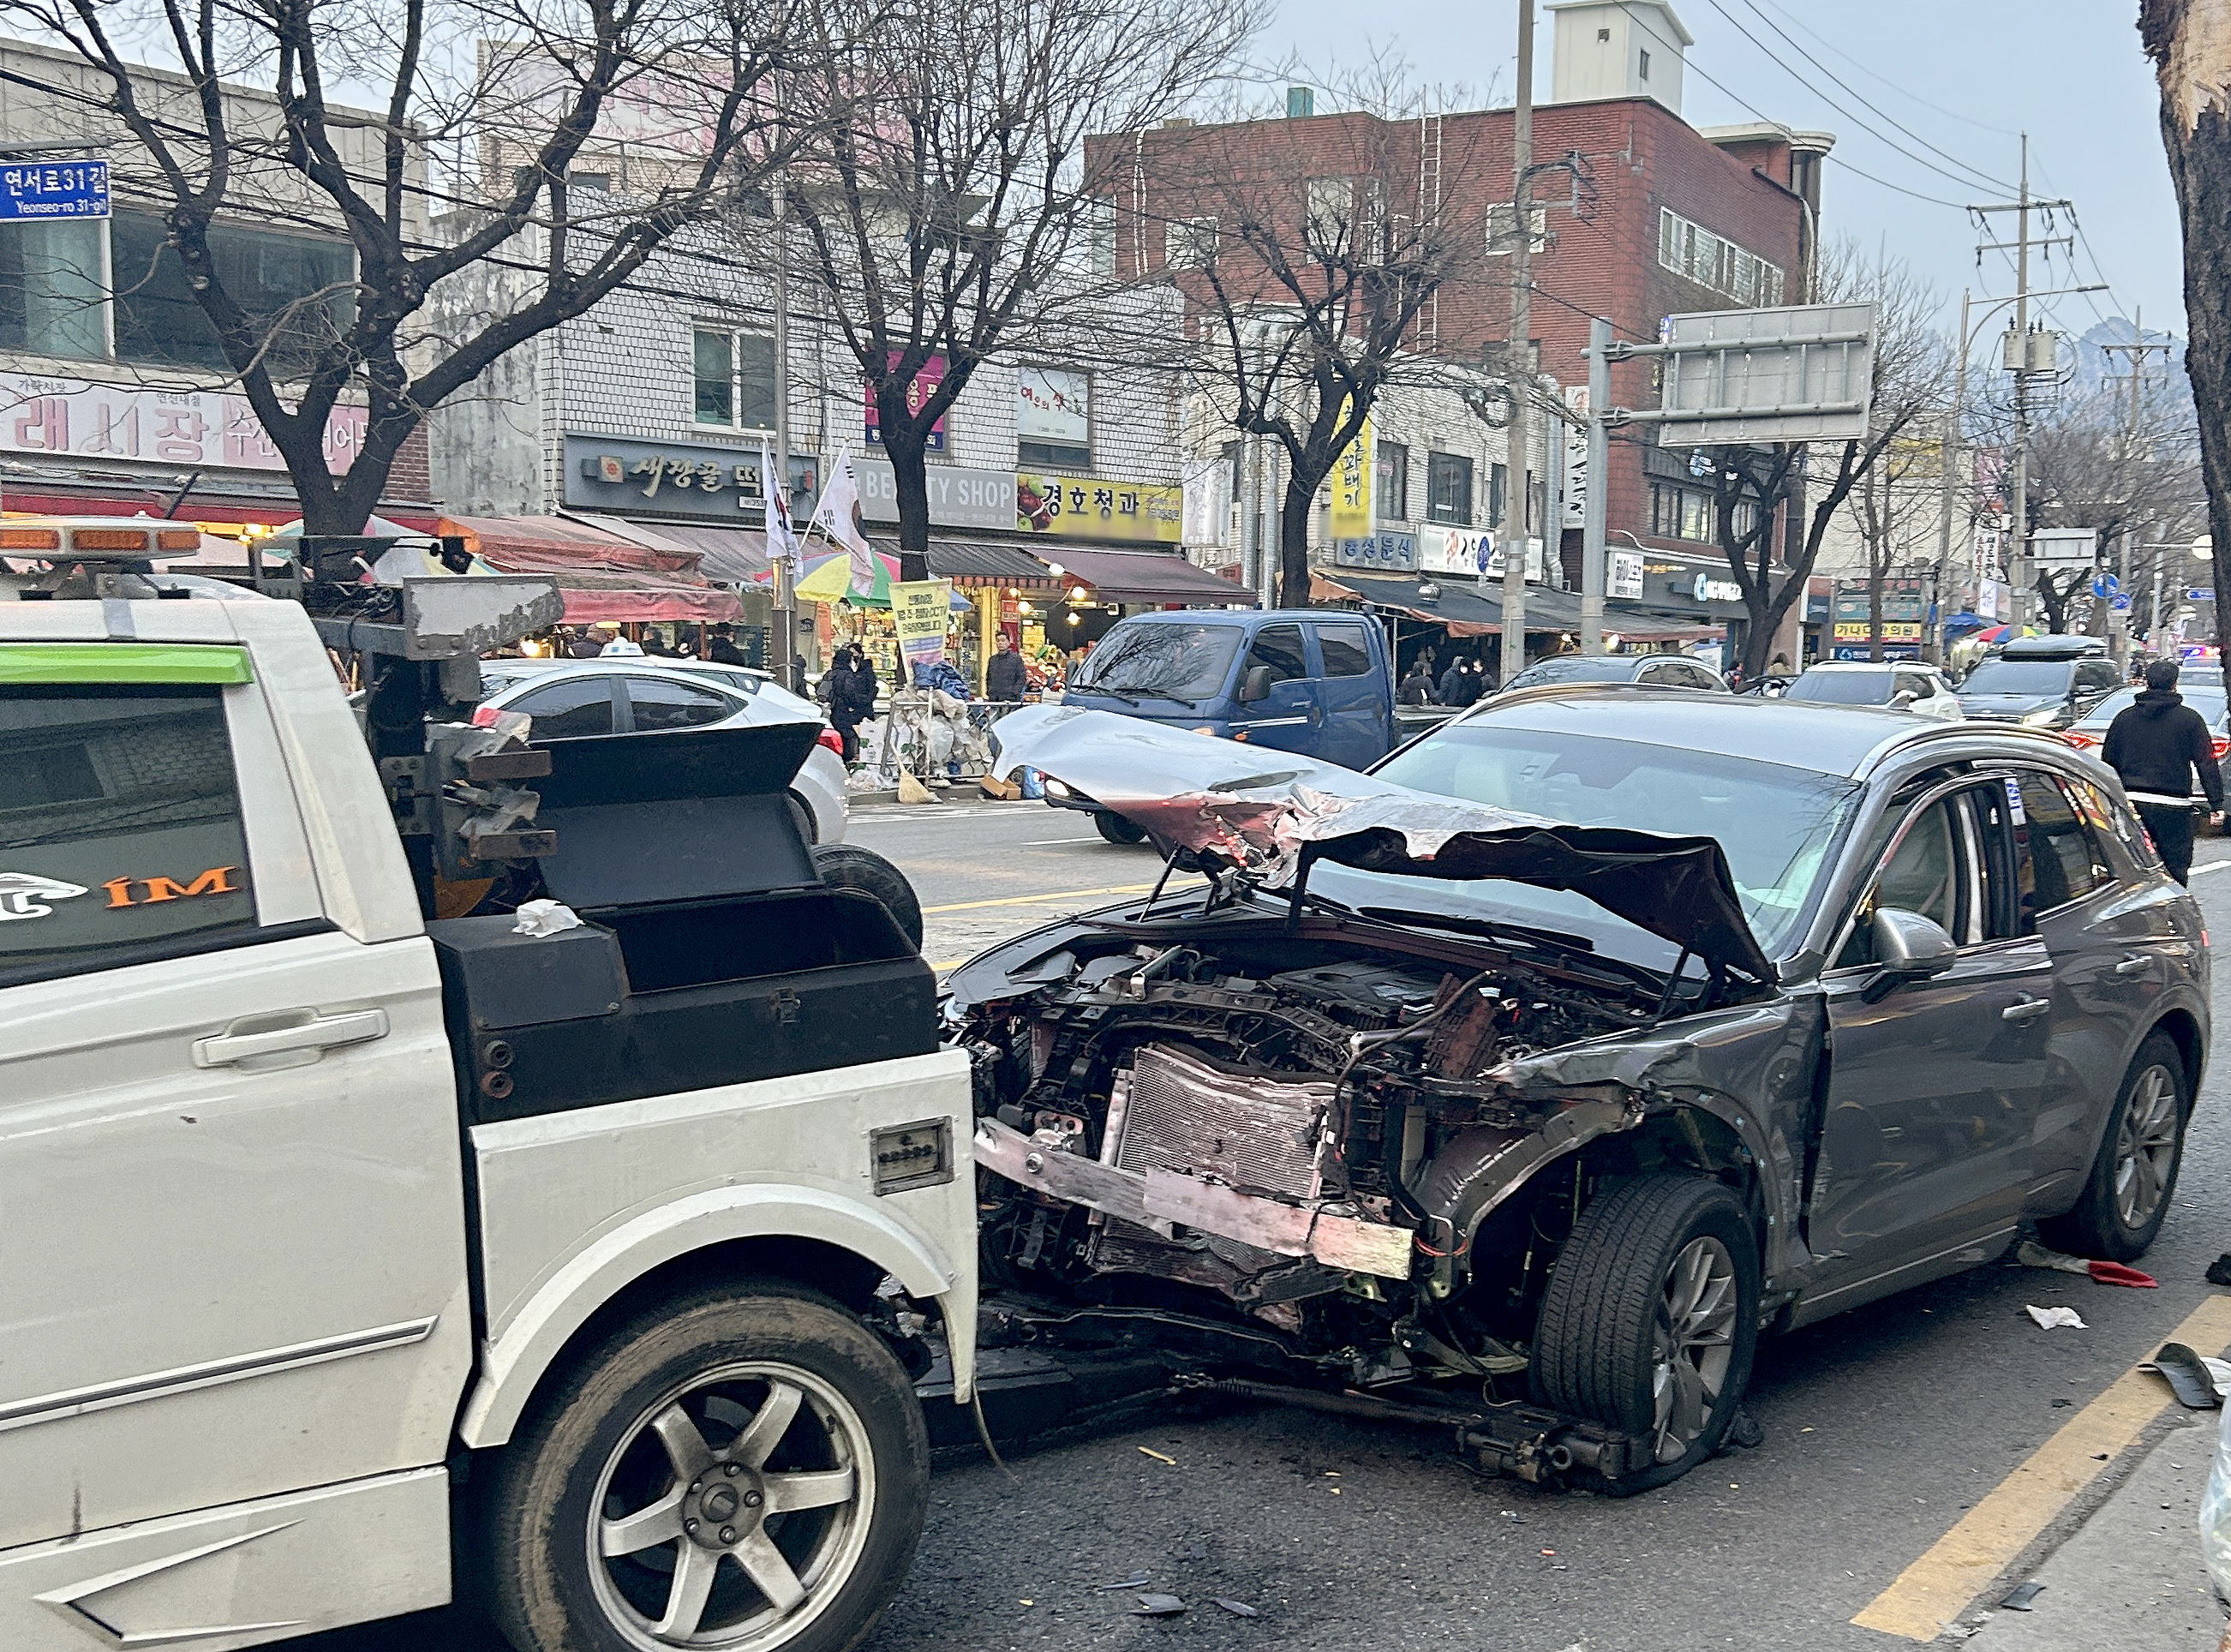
x: 1882, y: 1430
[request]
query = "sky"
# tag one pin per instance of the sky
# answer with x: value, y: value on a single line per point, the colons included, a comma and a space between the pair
x: 1962, y: 77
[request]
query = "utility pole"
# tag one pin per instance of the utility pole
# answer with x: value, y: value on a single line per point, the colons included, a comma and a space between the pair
x: 1595, y: 572
x: 1948, y: 454
x: 2137, y: 350
x: 784, y: 642
x: 1519, y: 358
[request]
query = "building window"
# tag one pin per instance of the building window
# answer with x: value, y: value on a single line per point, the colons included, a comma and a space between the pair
x: 1501, y: 235
x: 1448, y: 489
x: 1189, y: 244
x: 735, y: 379
x: 1391, y: 487
x: 1695, y: 253
x: 1100, y: 235
x: 1498, y: 489
x: 1053, y: 418
x: 160, y: 323
x: 1328, y: 212
x: 51, y: 288
x: 1685, y: 513
x: 1644, y: 75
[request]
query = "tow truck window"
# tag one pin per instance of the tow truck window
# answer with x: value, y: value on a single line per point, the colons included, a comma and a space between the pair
x: 121, y: 835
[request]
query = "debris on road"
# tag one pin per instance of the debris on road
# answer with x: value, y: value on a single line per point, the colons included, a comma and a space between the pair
x: 1237, y: 1607
x: 2219, y: 1271
x: 1158, y: 1606
x: 2188, y: 1377
x: 2048, y: 1317
x: 2030, y: 1253
x: 2020, y: 1598
x: 1135, y: 1580
x: 1158, y: 1456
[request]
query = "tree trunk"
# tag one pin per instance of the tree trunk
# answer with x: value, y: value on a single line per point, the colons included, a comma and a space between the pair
x: 2192, y: 56
x: 1299, y: 505
x: 905, y: 441
x: 1875, y: 582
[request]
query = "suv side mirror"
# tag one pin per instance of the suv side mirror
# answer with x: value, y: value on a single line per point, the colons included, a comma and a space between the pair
x: 1908, y: 948
x: 1903, y: 698
x: 1256, y: 685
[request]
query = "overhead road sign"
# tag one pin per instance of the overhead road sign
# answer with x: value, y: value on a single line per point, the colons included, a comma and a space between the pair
x: 1754, y: 377
x: 2064, y: 547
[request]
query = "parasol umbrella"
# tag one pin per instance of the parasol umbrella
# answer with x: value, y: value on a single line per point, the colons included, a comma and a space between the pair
x: 829, y: 579
x: 2000, y: 633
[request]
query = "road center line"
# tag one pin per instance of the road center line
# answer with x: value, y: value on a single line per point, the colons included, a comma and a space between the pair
x: 1935, y: 1589
x: 2209, y: 866
x: 1175, y: 885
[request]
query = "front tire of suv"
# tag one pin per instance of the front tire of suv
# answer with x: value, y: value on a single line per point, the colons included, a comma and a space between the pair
x: 1650, y: 1321
x: 2127, y: 1195
x: 740, y: 1470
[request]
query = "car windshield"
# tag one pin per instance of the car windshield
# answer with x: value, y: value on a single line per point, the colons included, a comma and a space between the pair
x: 2208, y: 699
x: 1607, y: 668
x: 1843, y: 688
x: 2018, y: 676
x: 1777, y: 825
x: 1176, y: 661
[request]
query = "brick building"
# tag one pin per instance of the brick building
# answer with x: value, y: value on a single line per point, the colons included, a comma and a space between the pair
x: 1652, y: 217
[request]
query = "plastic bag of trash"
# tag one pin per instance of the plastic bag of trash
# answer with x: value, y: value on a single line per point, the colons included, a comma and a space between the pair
x: 2215, y: 1513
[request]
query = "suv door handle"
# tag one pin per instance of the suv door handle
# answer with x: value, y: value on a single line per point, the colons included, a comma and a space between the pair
x: 288, y: 1032
x: 2136, y: 963
x: 2029, y: 1010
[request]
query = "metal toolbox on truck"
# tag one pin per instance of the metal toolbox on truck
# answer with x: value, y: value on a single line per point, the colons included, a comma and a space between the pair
x: 712, y: 953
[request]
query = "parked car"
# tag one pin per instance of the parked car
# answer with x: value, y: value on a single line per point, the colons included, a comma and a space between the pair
x: 576, y: 699
x: 1427, y: 1105
x: 2089, y: 732
x: 1314, y: 681
x: 2043, y: 682
x: 1643, y: 671
x: 1901, y: 685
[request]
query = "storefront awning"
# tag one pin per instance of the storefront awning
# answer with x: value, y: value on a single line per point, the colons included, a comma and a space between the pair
x: 1458, y: 604
x: 732, y: 555
x: 1661, y: 625
x: 602, y: 576
x: 981, y: 564
x: 1137, y: 576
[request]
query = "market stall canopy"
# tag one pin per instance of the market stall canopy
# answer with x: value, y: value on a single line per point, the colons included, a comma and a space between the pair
x: 601, y: 576
x: 1456, y: 601
x: 974, y: 564
x: 1269, y: 811
x: 1139, y: 576
x: 732, y: 555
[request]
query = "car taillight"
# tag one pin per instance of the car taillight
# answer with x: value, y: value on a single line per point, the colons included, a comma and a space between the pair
x: 831, y: 738
x: 2223, y: 746
x: 2082, y: 742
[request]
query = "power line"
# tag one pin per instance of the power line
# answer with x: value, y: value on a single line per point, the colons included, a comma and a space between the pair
x: 1875, y: 74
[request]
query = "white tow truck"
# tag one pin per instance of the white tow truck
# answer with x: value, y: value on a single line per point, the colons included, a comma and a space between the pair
x: 353, y: 1258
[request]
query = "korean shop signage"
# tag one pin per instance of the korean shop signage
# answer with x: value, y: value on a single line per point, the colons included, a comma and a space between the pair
x: 198, y: 429
x: 1389, y: 551
x: 54, y: 189
x: 631, y: 478
x: 926, y: 381
x: 959, y: 497
x: 1099, y: 508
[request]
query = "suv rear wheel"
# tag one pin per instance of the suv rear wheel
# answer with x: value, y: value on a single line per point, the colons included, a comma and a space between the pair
x: 1650, y: 1320
x: 1117, y: 830
x: 2127, y: 1195
x: 738, y: 1470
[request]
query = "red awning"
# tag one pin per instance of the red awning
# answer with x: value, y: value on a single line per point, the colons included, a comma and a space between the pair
x: 703, y: 604
x: 1138, y: 576
x: 601, y: 577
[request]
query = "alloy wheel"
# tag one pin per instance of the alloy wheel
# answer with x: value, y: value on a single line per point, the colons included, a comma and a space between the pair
x: 1692, y: 1342
x: 2145, y: 1146
x: 732, y: 1510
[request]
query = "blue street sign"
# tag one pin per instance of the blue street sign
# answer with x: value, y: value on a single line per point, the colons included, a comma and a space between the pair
x: 54, y: 189
x: 2119, y: 603
x: 2106, y: 585
x: 2201, y: 594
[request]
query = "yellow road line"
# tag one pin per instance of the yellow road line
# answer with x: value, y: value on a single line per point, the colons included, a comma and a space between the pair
x: 1058, y: 895
x: 1935, y: 1589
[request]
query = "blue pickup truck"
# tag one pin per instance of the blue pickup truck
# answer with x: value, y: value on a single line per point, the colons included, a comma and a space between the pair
x: 1314, y: 681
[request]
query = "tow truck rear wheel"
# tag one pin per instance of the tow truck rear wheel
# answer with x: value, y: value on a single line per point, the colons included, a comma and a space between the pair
x: 1117, y: 830
x: 1650, y: 1321
x: 741, y: 1469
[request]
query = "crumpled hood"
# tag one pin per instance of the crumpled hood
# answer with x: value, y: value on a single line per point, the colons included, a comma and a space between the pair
x: 1261, y: 808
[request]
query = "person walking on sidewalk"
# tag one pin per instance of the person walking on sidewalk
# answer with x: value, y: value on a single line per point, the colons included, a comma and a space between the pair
x: 2156, y: 745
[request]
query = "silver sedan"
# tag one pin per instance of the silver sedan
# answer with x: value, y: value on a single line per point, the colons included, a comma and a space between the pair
x: 627, y: 694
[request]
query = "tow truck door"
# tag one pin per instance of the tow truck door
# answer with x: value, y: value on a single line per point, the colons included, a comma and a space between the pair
x: 234, y: 1251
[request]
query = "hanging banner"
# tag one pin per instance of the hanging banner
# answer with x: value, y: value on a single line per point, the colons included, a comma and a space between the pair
x: 1351, y: 487
x: 920, y: 612
x: 1576, y: 459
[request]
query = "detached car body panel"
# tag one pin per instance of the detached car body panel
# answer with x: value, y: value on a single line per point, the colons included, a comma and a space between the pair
x: 1476, y: 1023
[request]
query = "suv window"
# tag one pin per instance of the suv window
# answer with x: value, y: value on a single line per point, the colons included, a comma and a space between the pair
x: 119, y: 827
x: 568, y: 710
x: 661, y: 704
x: 1932, y: 871
x: 1279, y: 647
x: 1346, y: 653
x: 2108, y: 817
x: 2096, y: 676
x: 2055, y: 861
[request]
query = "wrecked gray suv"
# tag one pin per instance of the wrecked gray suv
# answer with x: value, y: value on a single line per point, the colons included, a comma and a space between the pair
x: 1519, y: 1085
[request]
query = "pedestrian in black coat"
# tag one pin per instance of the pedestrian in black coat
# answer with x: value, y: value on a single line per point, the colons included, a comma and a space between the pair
x: 2156, y: 745
x: 1005, y: 676
x: 1417, y: 688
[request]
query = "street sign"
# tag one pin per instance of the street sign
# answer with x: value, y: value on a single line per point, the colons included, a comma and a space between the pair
x: 2064, y: 547
x: 65, y: 189
x: 2119, y: 603
x: 1755, y: 377
x: 2201, y: 594
x: 2106, y: 585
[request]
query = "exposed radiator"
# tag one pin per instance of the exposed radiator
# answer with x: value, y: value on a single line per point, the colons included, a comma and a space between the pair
x: 1186, y: 1114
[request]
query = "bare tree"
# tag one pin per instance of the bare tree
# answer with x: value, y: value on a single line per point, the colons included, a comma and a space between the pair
x: 241, y: 124
x: 1912, y: 369
x: 1310, y: 265
x: 946, y: 209
x: 2191, y: 51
